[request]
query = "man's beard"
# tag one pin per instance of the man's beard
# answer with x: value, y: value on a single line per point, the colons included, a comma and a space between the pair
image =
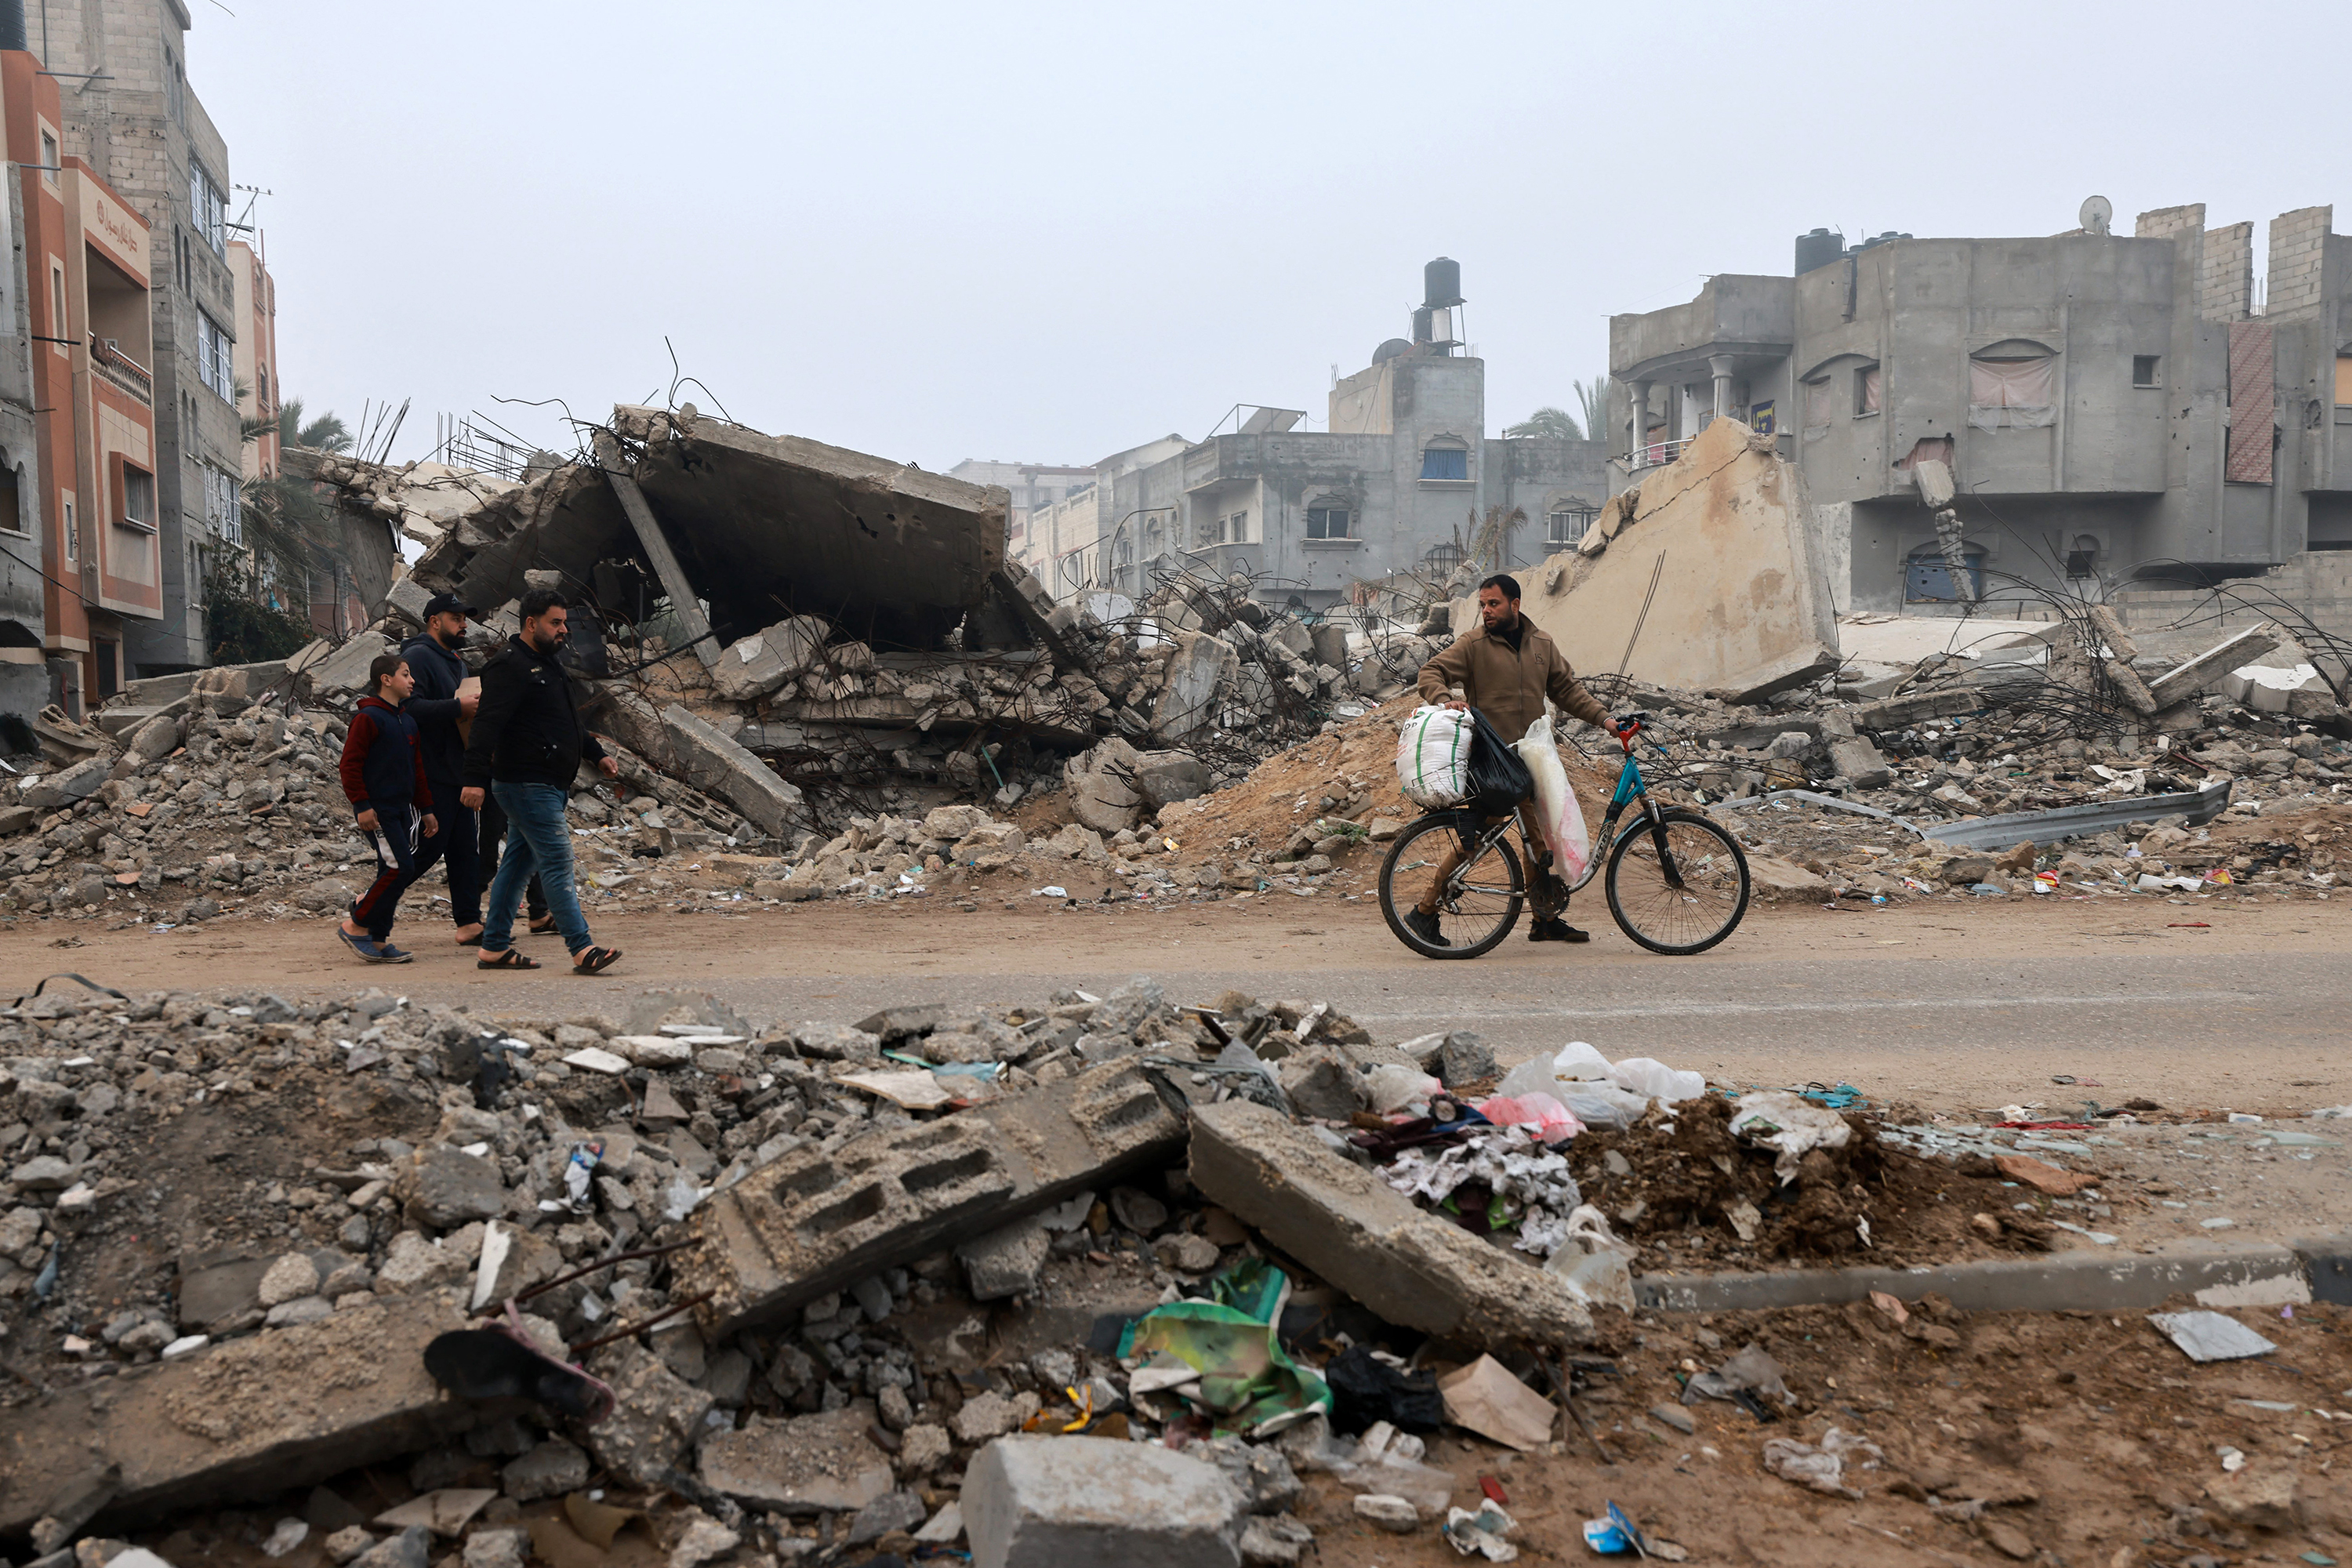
x: 449, y: 640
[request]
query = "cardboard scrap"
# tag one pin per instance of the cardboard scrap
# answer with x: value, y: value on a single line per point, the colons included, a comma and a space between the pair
x: 444, y: 1513
x: 1484, y: 1398
x: 2043, y: 1177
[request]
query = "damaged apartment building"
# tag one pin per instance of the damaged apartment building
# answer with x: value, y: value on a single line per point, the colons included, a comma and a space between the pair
x: 1402, y: 480
x: 2110, y: 407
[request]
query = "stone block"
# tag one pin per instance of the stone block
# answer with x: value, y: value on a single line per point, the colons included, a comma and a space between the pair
x: 655, y: 1419
x: 241, y: 1420
x: 1903, y: 712
x: 1860, y: 763
x: 716, y: 765
x: 445, y: 1188
x: 1350, y: 1228
x: 1199, y: 672
x: 1105, y: 794
x: 813, y: 1220
x: 1166, y: 777
x: 810, y: 1464
x: 1035, y: 1502
x: 1007, y: 1261
x: 755, y: 666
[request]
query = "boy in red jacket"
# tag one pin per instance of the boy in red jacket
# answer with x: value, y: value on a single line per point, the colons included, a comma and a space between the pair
x: 383, y: 772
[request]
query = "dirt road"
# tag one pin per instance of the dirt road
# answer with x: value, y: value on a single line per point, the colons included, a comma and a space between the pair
x: 1950, y: 1003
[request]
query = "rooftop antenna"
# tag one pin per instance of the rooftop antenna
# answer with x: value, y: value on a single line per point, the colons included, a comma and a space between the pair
x: 2096, y: 214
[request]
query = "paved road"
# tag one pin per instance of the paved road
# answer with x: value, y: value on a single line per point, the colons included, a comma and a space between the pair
x: 1951, y: 1005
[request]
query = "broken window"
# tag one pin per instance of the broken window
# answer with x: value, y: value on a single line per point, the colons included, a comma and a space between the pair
x: 1867, y: 385
x: 1329, y: 522
x: 2083, y: 560
x: 1212, y: 531
x: 1445, y: 460
x: 2144, y: 369
x: 2013, y: 394
x: 1817, y: 408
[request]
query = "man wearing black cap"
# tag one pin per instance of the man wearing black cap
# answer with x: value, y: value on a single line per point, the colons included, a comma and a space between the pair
x: 439, y: 710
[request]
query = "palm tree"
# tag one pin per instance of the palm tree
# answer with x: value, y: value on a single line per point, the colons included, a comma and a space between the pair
x: 1593, y: 397
x: 1551, y: 423
x: 327, y: 433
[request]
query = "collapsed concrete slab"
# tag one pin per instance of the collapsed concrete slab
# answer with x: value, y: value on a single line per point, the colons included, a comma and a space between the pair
x: 1352, y: 1229
x: 244, y: 1419
x: 816, y: 1220
x: 683, y: 746
x: 2186, y: 680
x: 1709, y: 578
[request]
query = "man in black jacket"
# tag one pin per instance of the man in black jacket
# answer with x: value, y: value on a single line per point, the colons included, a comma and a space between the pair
x: 528, y: 744
x: 433, y: 661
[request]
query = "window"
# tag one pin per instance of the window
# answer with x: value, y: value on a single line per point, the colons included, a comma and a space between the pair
x: 2013, y: 392
x: 73, y: 541
x: 50, y: 159
x: 208, y: 208
x: 57, y: 301
x: 2144, y: 369
x: 216, y: 357
x: 1445, y: 460
x: 2344, y: 379
x: 138, y: 495
x: 1867, y: 390
x: 223, y: 498
x: 1212, y: 531
x: 1566, y: 525
x: 1329, y: 522
x: 2083, y: 560
x: 1238, y: 526
x: 12, y: 503
x: 1817, y: 406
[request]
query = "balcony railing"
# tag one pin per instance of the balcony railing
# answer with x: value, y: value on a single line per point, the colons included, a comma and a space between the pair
x: 121, y: 369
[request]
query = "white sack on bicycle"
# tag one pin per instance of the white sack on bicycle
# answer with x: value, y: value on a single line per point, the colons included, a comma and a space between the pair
x: 1434, y: 756
x: 1562, y: 819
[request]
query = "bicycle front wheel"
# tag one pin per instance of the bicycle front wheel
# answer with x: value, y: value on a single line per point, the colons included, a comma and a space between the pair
x: 1480, y: 901
x: 1677, y: 885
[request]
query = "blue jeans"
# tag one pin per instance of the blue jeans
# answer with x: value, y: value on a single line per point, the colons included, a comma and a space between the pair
x: 538, y: 840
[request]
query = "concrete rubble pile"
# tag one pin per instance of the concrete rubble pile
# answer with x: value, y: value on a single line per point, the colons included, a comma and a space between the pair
x: 850, y: 627
x: 832, y: 1209
x: 194, y: 794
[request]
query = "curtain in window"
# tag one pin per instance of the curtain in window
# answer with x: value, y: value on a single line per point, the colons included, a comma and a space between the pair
x: 1866, y: 398
x: 1445, y: 463
x: 2013, y: 394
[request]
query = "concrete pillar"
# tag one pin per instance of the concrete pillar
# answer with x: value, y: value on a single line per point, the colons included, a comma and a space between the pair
x: 1640, y: 421
x: 1719, y: 367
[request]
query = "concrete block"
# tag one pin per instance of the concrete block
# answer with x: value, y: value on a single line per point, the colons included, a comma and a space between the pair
x: 1861, y: 764
x: 244, y: 1419
x: 1104, y: 787
x: 683, y: 746
x: 1032, y: 1501
x: 1166, y: 777
x: 810, y: 1464
x: 1200, y: 670
x: 1007, y: 1261
x: 1344, y: 1222
x: 345, y: 672
x: 2187, y: 679
x: 1903, y: 712
x: 753, y: 666
x: 813, y: 1221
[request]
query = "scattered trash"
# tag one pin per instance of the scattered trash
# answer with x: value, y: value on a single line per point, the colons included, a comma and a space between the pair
x: 1787, y: 1123
x: 1481, y: 1533
x: 2211, y: 1336
x: 1484, y: 1398
x: 1823, y: 1468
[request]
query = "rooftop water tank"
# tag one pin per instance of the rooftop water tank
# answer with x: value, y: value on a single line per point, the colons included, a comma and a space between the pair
x: 1441, y: 283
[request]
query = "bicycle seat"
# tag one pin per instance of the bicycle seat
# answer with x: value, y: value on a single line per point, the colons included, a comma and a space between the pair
x: 1633, y: 718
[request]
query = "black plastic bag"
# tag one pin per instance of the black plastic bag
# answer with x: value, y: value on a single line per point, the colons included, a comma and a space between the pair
x: 1500, y: 780
x: 1364, y: 1390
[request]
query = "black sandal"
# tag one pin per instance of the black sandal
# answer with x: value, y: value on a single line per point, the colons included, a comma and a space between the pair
x: 542, y: 924
x: 594, y: 960
x: 505, y: 958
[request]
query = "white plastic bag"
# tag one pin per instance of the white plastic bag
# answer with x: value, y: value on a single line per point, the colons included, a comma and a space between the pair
x: 1434, y: 756
x: 1646, y: 1075
x: 1558, y: 814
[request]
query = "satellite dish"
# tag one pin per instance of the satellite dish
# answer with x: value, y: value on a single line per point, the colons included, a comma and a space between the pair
x: 2097, y: 212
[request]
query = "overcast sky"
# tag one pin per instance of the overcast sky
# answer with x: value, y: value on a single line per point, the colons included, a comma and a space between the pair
x: 1044, y: 234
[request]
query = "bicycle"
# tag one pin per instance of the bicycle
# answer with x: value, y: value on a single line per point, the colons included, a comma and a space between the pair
x: 1676, y: 883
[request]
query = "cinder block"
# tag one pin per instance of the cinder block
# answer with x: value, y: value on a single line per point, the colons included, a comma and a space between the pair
x: 1032, y: 1501
x: 1340, y: 1220
x: 813, y: 1221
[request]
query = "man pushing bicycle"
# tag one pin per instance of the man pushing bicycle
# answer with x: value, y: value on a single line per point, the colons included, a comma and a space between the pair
x: 1506, y: 666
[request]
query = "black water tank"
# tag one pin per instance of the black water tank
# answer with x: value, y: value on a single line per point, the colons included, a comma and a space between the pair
x: 12, y: 24
x: 1818, y: 249
x: 1441, y: 283
x: 1423, y: 326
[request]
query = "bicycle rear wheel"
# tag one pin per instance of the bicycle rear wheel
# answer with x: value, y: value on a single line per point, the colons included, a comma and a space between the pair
x: 1481, y: 902
x: 1679, y: 885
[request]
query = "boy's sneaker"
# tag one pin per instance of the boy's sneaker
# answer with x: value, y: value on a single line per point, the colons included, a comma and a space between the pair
x: 365, y: 947
x: 1423, y: 924
x: 1556, y: 930
x: 387, y: 954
